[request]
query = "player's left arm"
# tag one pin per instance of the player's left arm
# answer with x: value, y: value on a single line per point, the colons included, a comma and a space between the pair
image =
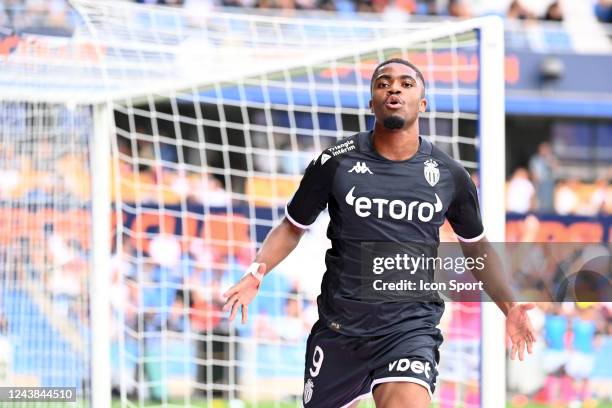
x: 518, y: 325
x: 464, y: 216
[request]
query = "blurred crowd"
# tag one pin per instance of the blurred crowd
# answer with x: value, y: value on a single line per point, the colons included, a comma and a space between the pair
x: 571, y: 363
x: 537, y: 188
x: 541, y: 188
x: 56, y: 13
x: 5, y: 350
x: 146, y: 179
x: 172, y: 298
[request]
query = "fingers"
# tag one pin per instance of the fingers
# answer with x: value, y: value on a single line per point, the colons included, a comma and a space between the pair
x: 521, y: 349
x: 525, y: 337
x: 230, y: 291
x: 517, y: 349
x: 519, y: 344
x: 532, y: 336
x: 530, y: 345
x: 233, y: 303
x: 230, y: 302
x: 245, y: 311
x: 529, y: 337
x: 235, y: 307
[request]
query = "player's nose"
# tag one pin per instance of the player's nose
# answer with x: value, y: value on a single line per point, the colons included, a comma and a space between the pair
x: 394, y: 88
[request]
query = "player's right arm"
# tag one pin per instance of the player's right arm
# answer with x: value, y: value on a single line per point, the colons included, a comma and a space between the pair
x: 307, y: 203
x: 279, y: 243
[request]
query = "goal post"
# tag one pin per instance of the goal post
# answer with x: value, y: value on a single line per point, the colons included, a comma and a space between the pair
x: 201, y: 127
x: 100, y: 282
x: 492, y: 174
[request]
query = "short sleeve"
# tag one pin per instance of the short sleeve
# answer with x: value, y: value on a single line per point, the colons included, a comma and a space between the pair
x: 464, y: 211
x: 313, y: 192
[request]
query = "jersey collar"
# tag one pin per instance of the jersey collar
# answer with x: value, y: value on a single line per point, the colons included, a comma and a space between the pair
x: 425, y: 147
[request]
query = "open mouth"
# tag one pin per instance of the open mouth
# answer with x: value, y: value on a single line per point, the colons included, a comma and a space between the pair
x: 393, y: 103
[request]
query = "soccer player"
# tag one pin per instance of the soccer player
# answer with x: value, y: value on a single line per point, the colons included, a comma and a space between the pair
x: 582, y: 357
x: 388, y: 185
x: 555, y: 356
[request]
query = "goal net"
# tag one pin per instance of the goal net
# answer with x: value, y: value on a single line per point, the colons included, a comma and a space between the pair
x: 44, y: 244
x: 209, y: 119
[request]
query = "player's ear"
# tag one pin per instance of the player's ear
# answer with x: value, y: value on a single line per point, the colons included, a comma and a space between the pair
x: 422, y: 105
x: 370, y: 105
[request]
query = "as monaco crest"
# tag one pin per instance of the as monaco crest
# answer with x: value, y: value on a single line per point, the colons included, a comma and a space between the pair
x: 308, y: 390
x: 432, y: 174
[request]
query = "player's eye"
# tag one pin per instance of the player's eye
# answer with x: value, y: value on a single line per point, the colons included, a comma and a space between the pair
x: 408, y: 84
x: 382, y: 84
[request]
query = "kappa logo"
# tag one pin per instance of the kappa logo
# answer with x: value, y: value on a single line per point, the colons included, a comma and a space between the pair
x: 396, y: 209
x: 308, y: 388
x: 415, y: 366
x: 360, y: 168
x: 431, y: 171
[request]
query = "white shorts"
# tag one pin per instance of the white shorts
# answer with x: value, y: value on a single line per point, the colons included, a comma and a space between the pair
x: 580, y: 365
x: 554, y: 360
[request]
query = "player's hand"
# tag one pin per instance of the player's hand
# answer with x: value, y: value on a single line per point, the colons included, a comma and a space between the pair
x: 520, y: 330
x: 241, y: 294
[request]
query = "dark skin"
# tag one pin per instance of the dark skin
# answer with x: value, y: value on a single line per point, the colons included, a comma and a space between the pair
x: 397, y: 93
x: 399, y: 84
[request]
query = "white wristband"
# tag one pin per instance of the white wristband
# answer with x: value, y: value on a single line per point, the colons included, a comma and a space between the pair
x: 253, y: 269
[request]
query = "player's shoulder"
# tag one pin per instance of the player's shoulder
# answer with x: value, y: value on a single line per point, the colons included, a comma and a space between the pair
x: 456, y: 169
x: 346, y: 145
x: 444, y: 158
x: 341, y: 149
x: 460, y: 176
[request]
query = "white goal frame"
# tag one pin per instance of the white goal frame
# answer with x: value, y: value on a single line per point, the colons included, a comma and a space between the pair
x: 492, y: 189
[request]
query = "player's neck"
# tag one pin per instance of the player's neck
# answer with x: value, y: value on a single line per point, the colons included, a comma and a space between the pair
x: 396, y: 145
